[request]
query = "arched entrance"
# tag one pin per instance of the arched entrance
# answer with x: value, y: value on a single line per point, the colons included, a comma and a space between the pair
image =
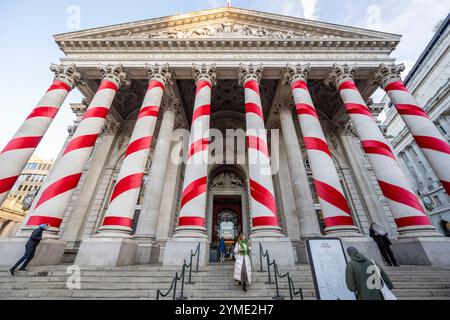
x: 227, y: 207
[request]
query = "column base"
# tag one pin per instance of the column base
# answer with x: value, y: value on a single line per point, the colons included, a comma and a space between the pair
x: 179, y: 249
x: 413, y: 232
x: 49, y: 252
x: 266, y: 232
x: 343, y: 232
x: 280, y: 249
x: 434, y: 251
x: 106, y: 252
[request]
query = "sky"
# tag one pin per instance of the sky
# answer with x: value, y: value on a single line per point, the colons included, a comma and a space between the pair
x: 27, y: 28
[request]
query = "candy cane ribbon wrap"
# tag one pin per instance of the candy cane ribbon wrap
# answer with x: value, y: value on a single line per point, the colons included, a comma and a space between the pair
x: 119, y: 215
x: 404, y: 204
x: 55, y: 194
x: 431, y: 141
x: 336, y: 211
x: 18, y: 151
x: 193, y: 198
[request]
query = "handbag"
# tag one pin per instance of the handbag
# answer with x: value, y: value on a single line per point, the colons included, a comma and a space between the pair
x: 385, y: 292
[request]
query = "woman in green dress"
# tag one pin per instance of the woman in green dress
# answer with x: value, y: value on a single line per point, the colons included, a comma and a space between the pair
x: 242, y: 267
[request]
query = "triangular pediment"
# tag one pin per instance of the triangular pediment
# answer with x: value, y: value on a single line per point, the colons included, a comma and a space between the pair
x: 226, y: 23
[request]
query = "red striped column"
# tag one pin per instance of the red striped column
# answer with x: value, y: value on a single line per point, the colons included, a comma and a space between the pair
x: 20, y: 148
x: 119, y: 216
x: 404, y: 204
x: 336, y: 211
x: 262, y: 197
x: 55, y: 194
x: 425, y: 133
x: 191, y: 222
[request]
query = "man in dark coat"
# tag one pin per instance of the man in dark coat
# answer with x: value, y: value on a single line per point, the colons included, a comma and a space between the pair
x: 30, y: 248
x: 380, y: 235
x: 357, y: 274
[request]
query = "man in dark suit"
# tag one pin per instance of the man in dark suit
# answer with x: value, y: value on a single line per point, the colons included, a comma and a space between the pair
x: 30, y: 248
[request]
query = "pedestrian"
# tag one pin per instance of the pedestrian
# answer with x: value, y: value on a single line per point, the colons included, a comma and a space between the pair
x: 380, y: 235
x: 222, y: 249
x: 366, y: 278
x: 30, y: 248
x: 242, y: 267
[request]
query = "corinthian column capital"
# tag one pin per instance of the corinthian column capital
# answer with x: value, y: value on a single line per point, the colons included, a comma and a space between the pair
x: 205, y: 72
x: 387, y: 74
x: 340, y: 74
x: 67, y: 74
x: 298, y: 72
x: 114, y: 73
x: 159, y: 72
x: 249, y: 72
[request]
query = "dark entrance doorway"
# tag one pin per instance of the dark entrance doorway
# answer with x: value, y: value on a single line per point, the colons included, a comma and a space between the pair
x: 226, y: 223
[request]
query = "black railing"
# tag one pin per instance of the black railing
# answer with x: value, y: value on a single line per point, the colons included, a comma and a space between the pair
x: 176, y: 278
x: 292, y: 291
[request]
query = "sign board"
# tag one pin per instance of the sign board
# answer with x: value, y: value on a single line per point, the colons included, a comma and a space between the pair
x: 328, y: 263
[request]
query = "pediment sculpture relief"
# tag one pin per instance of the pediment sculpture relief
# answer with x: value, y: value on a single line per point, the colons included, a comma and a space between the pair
x: 227, y: 29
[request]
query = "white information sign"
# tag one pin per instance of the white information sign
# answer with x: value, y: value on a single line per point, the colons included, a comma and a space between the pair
x: 327, y: 260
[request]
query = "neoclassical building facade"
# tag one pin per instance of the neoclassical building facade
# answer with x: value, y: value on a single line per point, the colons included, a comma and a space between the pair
x: 220, y: 122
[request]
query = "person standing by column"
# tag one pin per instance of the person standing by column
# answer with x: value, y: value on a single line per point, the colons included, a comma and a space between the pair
x: 380, y: 235
x: 30, y: 249
x: 243, y: 266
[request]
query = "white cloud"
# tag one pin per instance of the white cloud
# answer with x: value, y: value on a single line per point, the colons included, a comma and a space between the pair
x: 309, y: 9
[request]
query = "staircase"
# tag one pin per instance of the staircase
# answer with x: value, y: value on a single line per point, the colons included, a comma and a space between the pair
x: 214, y: 282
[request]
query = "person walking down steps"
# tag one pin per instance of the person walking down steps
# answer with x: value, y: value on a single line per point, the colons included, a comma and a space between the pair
x: 243, y: 266
x: 380, y: 235
x: 30, y: 249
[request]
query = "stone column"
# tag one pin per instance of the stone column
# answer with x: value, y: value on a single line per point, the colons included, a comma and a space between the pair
x: 265, y: 225
x: 368, y: 191
x: 113, y: 246
x: 20, y: 148
x: 404, y: 204
x: 336, y: 211
x: 191, y: 228
x: 54, y: 196
x: 433, y: 144
x: 146, y: 227
x: 75, y: 221
x: 309, y: 224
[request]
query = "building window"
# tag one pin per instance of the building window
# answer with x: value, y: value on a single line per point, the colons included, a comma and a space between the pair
x: 413, y: 152
x: 436, y: 200
x: 422, y: 167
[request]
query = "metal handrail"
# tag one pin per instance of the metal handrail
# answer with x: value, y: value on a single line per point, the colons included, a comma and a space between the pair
x: 292, y: 291
x: 173, y: 285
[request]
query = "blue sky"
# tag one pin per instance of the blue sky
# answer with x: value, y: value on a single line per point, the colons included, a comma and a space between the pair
x: 27, y: 27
